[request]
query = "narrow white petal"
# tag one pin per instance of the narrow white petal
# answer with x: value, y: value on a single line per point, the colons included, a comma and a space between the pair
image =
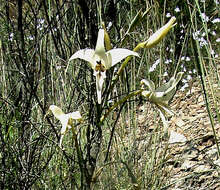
x: 64, y: 121
x: 146, y: 93
x: 57, y: 112
x: 116, y: 55
x: 87, y: 55
x: 163, y: 118
x: 61, y: 139
x: 149, y: 83
x: 99, y: 96
x: 100, y: 48
x: 100, y: 76
x: 75, y: 115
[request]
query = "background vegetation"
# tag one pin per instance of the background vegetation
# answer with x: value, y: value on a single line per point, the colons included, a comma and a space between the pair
x: 37, y: 39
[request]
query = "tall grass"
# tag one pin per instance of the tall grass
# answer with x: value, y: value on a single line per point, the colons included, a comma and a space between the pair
x: 35, y: 73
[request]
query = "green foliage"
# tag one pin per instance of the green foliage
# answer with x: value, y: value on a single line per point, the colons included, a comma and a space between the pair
x: 38, y: 38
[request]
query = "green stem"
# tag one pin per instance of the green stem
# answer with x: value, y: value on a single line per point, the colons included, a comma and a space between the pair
x: 80, y: 156
x: 202, y: 76
x: 135, y: 93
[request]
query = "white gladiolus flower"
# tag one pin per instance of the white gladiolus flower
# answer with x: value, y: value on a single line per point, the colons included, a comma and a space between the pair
x: 160, y: 96
x: 100, y: 60
x: 65, y: 119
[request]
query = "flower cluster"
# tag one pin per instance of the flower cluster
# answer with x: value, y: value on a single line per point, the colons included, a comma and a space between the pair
x: 101, y: 60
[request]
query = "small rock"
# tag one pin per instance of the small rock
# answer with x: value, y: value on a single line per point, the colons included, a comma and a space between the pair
x: 176, y: 137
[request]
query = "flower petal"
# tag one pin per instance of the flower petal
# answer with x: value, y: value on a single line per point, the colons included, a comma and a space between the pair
x: 57, y: 112
x: 163, y: 118
x: 146, y: 93
x: 87, y: 55
x: 61, y: 139
x: 64, y: 121
x: 75, y: 115
x: 159, y: 34
x: 100, y: 48
x: 100, y: 76
x: 114, y: 56
x: 166, y: 91
x: 149, y: 83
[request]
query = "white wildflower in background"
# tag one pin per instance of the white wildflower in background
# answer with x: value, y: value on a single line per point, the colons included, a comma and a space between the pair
x: 200, y: 37
x: 202, y: 42
x: 203, y: 34
x: 177, y: 9
x: 165, y: 74
x: 184, y: 81
x: 189, y: 77
x: 168, y: 15
x: 213, y: 33
x: 168, y: 61
x: 196, y: 35
x: 212, y: 52
x: 30, y: 37
x: 40, y: 24
x: 41, y: 21
x: 218, y: 40
x: 183, y: 58
x: 216, y: 20
x: 186, y: 85
x: 109, y: 25
x: 11, y: 36
x: 204, y: 17
x: 182, y: 26
x: 216, y: 2
x: 188, y: 59
x: 154, y: 66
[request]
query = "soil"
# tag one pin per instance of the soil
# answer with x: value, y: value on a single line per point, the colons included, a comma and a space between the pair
x: 194, y: 162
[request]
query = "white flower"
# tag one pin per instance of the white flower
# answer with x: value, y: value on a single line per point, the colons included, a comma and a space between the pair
x: 189, y: 77
x: 41, y: 21
x: 160, y: 96
x: 168, y: 15
x: 204, y: 17
x: 65, y: 119
x: 213, y: 33
x: 177, y: 9
x: 186, y: 85
x: 216, y: 2
x: 165, y: 74
x: 216, y: 20
x: 183, y: 58
x: 100, y: 60
x: 168, y: 61
x: 188, y: 59
x: 154, y: 66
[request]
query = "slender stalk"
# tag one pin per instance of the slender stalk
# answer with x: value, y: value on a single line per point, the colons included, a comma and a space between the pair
x: 135, y: 93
